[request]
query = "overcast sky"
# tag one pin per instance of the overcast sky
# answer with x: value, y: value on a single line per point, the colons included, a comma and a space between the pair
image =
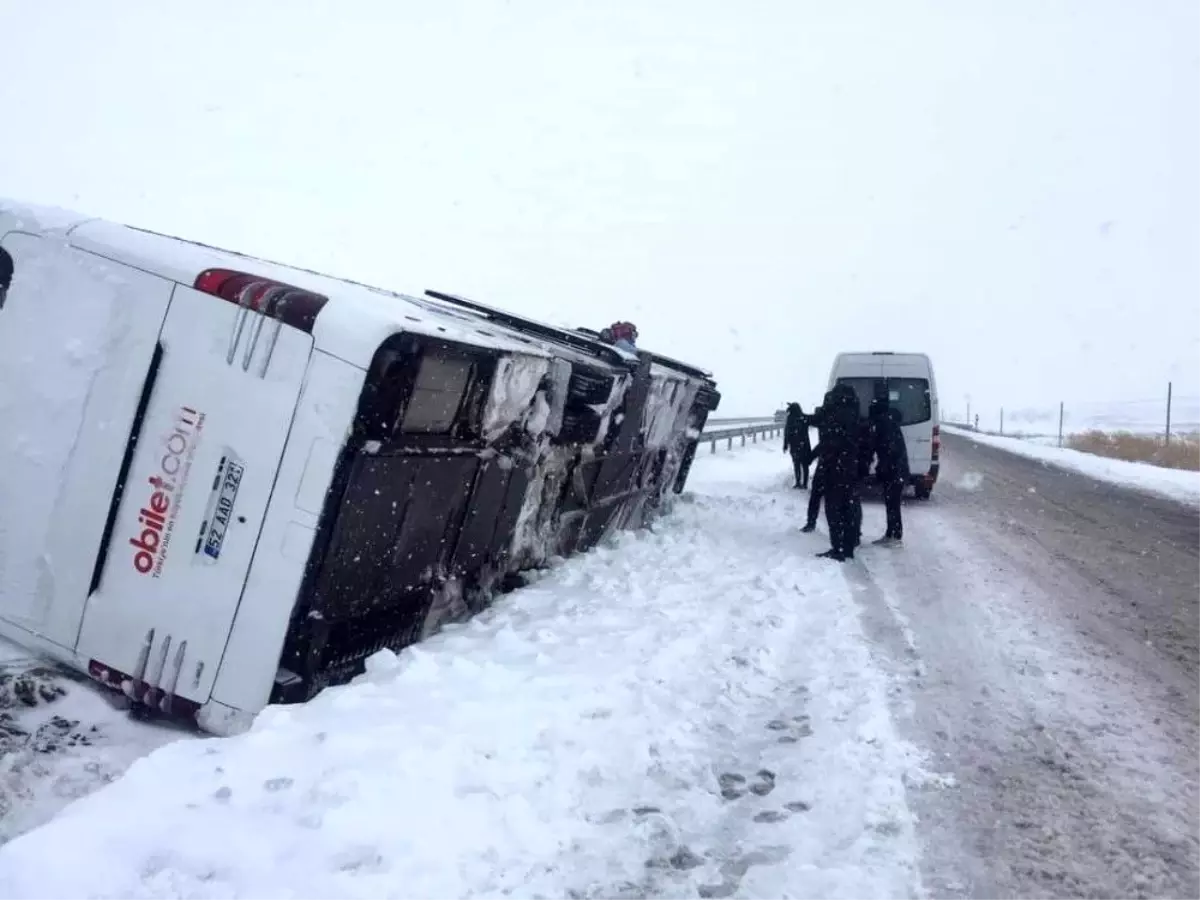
x: 1012, y: 187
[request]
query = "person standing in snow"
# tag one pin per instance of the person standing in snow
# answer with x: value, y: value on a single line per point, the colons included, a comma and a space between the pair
x: 866, y: 450
x: 817, y: 420
x: 816, y: 494
x: 891, y: 467
x: 840, y: 444
x: 6, y: 275
x: 796, y: 440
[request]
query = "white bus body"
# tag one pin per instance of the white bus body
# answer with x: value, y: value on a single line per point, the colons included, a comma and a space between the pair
x: 221, y: 478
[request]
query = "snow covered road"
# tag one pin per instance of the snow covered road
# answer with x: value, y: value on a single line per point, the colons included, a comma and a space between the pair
x: 692, y: 711
x: 1046, y: 625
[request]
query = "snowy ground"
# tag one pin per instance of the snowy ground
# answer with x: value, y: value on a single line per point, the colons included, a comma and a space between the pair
x: 1004, y: 706
x: 690, y: 711
x: 1177, y: 484
x: 59, y: 740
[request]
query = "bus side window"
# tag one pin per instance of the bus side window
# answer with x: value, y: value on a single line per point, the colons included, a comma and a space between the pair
x: 437, y: 395
x: 6, y: 274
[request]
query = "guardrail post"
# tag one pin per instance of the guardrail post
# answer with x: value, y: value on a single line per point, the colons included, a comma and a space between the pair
x: 730, y: 445
x: 712, y: 446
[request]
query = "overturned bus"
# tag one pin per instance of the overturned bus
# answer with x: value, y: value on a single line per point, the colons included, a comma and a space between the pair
x: 225, y: 482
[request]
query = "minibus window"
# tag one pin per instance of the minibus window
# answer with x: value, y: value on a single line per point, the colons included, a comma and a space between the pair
x: 866, y: 389
x: 911, y: 397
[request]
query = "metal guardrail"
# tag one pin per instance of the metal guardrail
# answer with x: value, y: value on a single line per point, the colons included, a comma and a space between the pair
x: 739, y: 420
x: 763, y: 429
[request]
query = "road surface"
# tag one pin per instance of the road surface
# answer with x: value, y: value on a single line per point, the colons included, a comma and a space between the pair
x: 1044, y: 627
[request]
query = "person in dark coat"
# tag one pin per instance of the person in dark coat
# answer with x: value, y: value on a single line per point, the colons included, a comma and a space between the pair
x: 866, y: 447
x: 866, y: 456
x: 6, y: 274
x: 840, y: 444
x: 891, y: 469
x: 816, y: 494
x: 817, y: 420
x: 796, y: 440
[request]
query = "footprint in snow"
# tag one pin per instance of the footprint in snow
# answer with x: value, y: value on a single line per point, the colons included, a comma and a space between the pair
x: 773, y: 816
x: 361, y: 858
x: 733, y: 785
x: 796, y: 728
x: 733, y: 870
x: 770, y: 816
x: 683, y: 859
x: 764, y: 783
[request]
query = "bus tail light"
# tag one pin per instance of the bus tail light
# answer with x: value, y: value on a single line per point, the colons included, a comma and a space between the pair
x: 285, y: 303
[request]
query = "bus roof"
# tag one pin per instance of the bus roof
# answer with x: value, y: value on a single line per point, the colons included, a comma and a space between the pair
x: 357, y: 318
x: 351, y: 326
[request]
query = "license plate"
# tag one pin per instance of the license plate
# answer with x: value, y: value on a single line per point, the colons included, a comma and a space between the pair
x: 220, y: 507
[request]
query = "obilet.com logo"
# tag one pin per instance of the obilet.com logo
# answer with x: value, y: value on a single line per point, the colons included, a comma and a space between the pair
x: 157, y: 515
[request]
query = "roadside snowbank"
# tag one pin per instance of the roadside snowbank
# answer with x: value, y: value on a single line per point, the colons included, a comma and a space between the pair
x: 1177, y: 484
x: 691, y: 707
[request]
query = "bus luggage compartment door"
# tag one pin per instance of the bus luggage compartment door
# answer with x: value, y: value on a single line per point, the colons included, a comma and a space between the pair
x: 201, y: 476
x: 395, y: 533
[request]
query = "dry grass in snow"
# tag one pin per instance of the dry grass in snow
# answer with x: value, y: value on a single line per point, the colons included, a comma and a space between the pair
x: 1182, y: 453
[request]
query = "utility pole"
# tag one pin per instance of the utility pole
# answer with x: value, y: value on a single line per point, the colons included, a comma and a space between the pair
x: 1002, y: 420
x: 968, y: 423
x: 1167, y: 440
x: 1060, y: 422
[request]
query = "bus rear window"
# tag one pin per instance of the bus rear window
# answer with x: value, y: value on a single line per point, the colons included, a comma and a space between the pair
x: 436, y: 396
